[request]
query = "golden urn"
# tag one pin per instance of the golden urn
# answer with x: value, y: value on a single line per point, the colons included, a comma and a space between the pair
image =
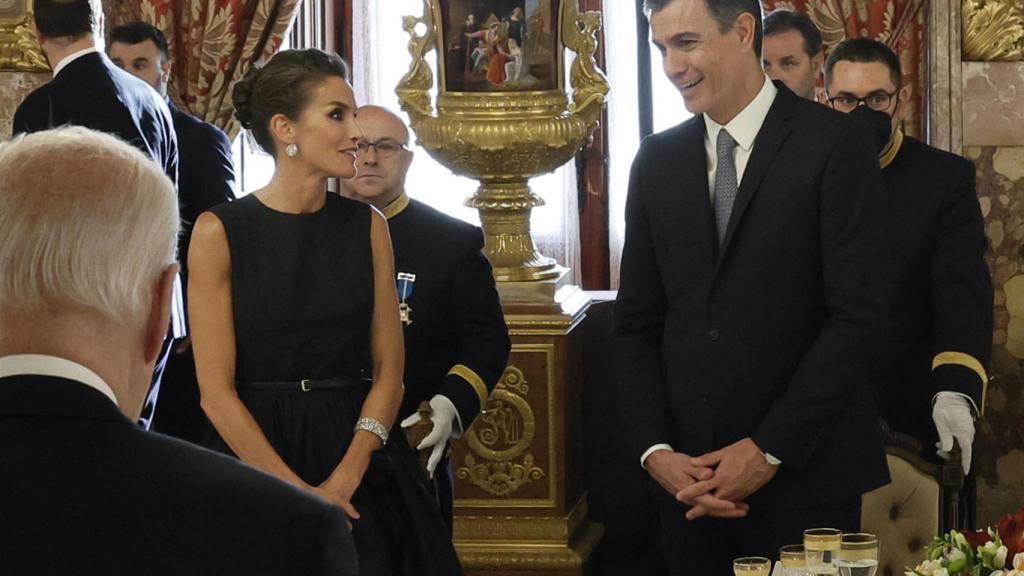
x: 502, y: 113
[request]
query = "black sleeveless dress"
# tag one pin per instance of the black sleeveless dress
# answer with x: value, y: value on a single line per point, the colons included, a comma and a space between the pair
x: 302, y: 294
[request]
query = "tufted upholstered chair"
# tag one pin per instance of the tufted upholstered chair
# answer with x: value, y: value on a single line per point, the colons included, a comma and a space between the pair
x: 921, y: 502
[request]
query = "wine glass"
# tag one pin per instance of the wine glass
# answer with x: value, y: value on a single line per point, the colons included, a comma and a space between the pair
x: 821, y: 548
x: 858, y: 555
x: 751, y: 566
x: 794, y: 560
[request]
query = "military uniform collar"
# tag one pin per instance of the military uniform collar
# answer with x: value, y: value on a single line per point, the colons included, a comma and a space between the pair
x: 396, y: 206
x: 890, y: 151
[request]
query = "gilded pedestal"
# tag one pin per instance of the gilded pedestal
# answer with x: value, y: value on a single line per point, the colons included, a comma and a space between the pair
x: 520, y: 507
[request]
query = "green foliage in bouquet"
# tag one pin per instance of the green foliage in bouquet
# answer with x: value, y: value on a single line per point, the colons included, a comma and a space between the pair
x: 995, y: 551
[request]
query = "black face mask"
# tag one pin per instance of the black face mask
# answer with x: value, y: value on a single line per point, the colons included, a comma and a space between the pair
x: 877, y: 125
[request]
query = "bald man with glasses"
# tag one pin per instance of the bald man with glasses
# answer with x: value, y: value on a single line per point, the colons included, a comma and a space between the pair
x: 932, y: 381
x: 456, y: 340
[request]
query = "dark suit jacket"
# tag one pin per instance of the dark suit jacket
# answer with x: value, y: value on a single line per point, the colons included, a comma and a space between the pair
x: 92, y: 92
x: 85, y: 491
x: 942, y: 300
x: 456, y: 312
x: 206, y: 172
x: 771, y: 336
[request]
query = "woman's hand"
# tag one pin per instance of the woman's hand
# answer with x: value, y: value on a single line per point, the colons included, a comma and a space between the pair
x: 338, y: 489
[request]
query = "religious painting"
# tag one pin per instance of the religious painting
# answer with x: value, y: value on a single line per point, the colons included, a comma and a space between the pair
x: 19, y: 49
x: 500, y: 45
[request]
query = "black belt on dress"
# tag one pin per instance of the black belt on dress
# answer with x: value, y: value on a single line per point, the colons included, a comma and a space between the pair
x: 305, y: 385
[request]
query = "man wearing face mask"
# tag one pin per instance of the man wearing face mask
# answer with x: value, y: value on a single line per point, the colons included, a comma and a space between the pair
x: 932, y: 381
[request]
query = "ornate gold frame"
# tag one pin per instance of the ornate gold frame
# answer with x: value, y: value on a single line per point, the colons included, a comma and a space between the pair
x: 19, y: 49
x: 993, y: 30
x: 503, y: 139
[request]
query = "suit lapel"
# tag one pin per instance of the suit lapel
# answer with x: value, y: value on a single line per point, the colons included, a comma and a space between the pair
x: 769, y: 140
x: 689, y: 160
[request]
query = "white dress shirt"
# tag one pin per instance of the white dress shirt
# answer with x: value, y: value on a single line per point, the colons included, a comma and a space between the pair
x: 43, y: 365
x: 71, y: 58
x: 743, y: 128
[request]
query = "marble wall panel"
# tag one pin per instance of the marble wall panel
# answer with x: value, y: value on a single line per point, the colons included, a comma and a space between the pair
x: 999, y: 447
x: 14, y: 86
x: 993, y: 103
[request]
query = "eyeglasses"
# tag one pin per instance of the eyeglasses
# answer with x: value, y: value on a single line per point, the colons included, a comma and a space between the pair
x: 383, y: 148
x: 878, y: 101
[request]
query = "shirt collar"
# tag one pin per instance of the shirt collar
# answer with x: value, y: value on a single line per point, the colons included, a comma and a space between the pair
x: 44, y: 365
x: 396, y: 206
x: 71, y: 58
x: 744, y: 126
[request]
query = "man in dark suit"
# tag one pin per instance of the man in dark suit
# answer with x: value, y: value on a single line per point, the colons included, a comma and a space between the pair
x: 88, y: 90
x: 932, y: 380
x: 84, y: 302
x: 793, y: 52
x: 456, y: 340
x: 748, y: 306
x: 206, y: 177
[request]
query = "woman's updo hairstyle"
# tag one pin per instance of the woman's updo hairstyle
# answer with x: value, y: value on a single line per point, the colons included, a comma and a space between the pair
x: 283, y: 86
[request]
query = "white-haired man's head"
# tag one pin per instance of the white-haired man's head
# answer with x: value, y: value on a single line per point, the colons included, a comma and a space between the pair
x: 88, y: 236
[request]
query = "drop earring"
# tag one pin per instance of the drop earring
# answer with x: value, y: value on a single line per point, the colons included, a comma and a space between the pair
x: 292, y: 150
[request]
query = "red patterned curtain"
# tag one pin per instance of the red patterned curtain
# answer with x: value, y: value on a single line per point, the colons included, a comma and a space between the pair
x: 213, y: 43
x: 900, y: 24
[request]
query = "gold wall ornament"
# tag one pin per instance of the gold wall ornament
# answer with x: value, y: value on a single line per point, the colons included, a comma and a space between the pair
x: 993, y: 30
x: 19, y: 48
x: 501, y: 131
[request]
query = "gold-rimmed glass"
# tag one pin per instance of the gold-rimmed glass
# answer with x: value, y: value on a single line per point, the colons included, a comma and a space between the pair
x: 821, y: 548
x: 794, y: 560
x: 858, y: 554
x: 751, y: 566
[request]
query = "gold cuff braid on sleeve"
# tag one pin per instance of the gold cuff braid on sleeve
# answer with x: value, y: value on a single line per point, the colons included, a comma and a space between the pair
x: 474, y: 380
x: 969, y: 362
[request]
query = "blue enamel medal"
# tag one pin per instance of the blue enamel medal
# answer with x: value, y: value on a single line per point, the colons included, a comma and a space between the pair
x: 406, y: 282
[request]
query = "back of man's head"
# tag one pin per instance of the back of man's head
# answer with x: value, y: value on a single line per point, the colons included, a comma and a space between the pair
x: 86, y: 222
x: 137, y: 33
x: 781, y: 21
x: 863, y: 51
x: 67, y: 18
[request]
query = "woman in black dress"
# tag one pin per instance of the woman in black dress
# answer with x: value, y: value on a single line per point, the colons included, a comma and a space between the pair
x: 292, y: 293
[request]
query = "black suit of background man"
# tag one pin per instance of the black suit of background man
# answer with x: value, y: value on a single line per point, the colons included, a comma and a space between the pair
x: 91, y: 92
x: 206, y: 177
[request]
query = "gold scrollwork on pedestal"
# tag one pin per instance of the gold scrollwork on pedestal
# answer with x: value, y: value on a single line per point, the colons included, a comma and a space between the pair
x: 19, y: 49
x: 500, y: 436
x: 993, y: 30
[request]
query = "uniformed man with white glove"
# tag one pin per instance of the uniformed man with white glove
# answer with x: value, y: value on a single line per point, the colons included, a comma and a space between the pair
x: 931, y: 382
x: 456, y: 339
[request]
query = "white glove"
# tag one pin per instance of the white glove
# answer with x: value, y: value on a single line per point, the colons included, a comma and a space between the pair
x: 953, y: 419
x: 442, y: 414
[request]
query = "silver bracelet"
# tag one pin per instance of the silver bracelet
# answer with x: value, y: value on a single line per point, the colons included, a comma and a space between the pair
x: 373, y: 426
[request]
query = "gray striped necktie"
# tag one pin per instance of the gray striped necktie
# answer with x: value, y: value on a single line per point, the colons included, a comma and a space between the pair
x: 726, y: 183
